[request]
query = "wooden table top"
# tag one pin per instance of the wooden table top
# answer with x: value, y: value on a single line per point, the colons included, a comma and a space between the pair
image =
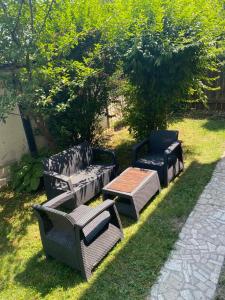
x: 129, y: 180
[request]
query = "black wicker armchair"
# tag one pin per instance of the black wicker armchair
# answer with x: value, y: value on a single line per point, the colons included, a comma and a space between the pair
x: 164, y: 154
x: 81, y: 169
x: 81, y: 238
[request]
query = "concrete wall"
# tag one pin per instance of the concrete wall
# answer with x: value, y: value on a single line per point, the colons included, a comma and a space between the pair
x: 13, y: 143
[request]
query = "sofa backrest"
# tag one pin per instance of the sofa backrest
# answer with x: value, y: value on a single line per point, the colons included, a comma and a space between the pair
x: 70, y: 161
x: 160, y: 140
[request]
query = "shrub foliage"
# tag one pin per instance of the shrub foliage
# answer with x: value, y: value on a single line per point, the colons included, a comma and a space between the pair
x: 163, y: 69
x: 61, y: 55
x: 26, y: 174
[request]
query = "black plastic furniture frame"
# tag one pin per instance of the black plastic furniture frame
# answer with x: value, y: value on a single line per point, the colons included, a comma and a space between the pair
x: 81, y: 238
x: 130, y: 202
x: 81, y: 169
x: 164, y: 154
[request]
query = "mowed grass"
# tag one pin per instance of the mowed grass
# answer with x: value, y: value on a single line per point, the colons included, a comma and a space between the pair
x: 133, y: 265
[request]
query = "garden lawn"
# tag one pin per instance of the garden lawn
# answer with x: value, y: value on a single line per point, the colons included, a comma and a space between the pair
x: 134, y: 264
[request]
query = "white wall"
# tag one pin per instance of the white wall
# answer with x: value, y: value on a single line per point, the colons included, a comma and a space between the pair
x: 13, y: 141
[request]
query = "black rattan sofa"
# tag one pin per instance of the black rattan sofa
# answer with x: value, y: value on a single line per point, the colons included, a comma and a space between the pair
x: 81, y: 169
x: 80, y: 238
x: 163, y: 153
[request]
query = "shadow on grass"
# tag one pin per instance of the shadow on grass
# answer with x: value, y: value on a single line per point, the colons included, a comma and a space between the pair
x: 215, y: 121
x: 47, y: 274
x: 124, y: 154
x: 215, y: 124
x: 135, y: 263
x: 15, y: 216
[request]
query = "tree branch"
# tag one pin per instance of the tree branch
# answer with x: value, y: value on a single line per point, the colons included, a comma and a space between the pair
x: 31, y: 16
x: 46, y: 16
x: 18, y: 16
x: 12, y: 32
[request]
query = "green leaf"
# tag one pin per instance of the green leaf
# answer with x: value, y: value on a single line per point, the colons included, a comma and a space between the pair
x: 34, y: 183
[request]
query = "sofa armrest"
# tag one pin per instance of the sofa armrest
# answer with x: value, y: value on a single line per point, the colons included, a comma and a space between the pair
x: 88, y: 217
x: 107, y: 152
x: 136, y: 148
x: 59, y: 177
x: 172, y: 148
x: 59, y: 200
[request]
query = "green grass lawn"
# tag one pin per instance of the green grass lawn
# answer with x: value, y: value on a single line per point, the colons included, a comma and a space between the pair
x: 134, y: 264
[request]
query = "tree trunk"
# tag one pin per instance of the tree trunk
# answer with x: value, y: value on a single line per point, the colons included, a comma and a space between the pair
x: 41, y: 125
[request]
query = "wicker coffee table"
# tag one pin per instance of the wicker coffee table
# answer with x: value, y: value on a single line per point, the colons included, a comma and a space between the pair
x: 133, y: 188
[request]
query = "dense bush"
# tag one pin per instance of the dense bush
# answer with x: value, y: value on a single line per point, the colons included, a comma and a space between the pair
x: 82, y: 101
x: 79, y: 122
x: 163, y: 69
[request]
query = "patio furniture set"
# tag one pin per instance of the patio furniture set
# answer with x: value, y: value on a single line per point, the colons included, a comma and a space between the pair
x: 79, y: 235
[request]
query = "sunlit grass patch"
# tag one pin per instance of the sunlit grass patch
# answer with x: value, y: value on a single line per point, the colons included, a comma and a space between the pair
x: 134, y: 264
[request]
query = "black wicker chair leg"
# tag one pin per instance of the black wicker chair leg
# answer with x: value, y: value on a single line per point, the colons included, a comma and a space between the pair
x: 86, y: 273
x: 118, y: 221
x: 136, y: 213
x: 166, y: 179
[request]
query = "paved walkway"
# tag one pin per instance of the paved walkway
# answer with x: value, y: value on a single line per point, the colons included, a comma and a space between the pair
x: 193, y: 268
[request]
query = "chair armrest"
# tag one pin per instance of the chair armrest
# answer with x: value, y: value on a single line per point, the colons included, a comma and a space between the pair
x: 136, y: 148
x: 172, y: 147
x: 107, y: 152
x: 59, y: 200
x: 88, y: 217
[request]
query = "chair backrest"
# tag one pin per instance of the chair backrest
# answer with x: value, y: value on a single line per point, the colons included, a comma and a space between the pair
x: 162, y: 139
x: 50, y: 218
x: 69, y: 161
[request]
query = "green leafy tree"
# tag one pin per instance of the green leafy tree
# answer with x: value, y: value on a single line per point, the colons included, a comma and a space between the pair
x: 51, y: 57
x: 56, y: 55
x: 172, y: 65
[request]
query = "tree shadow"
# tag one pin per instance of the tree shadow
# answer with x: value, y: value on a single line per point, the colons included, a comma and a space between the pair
x: 14, y: 208
x: 215, y: 124
x: 124, y: 154
x: 137, y: 264
x: 47, y: 274
x: 134, y: 264
x: 214, y: 121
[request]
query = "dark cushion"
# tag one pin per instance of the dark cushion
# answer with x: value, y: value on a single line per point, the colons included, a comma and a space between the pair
x: 156, y: 160
x: 90, y: 174
x: 160, y: 140
x: 89, y: 182
x: 92, y: 229
x: 78, y: 212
